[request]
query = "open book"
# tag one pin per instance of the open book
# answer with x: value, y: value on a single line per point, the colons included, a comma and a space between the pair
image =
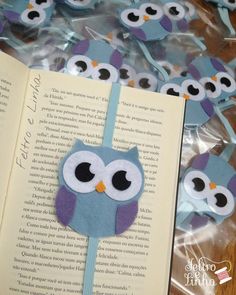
x: 41, y: 115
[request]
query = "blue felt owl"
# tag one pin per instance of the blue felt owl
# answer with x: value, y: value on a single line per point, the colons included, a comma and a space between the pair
x: 229, y: 4
x: 129, y: 76
x: 207, y: 192
x: 30, y: 13
x: 199, y: 109
x: 95, y: 59
x: 146, y: 21
x: 79, y: 5
x: 99, y: 190
x: 213, y: 75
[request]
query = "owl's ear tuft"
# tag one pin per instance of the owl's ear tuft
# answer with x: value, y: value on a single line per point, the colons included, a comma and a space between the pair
x: 134, y: 152
x: 78, y: 143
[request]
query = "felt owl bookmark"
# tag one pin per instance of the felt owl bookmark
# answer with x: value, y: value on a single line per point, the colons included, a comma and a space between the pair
x: 99, y: 190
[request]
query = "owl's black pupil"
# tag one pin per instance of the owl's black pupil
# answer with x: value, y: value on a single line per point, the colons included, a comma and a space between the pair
x: 33, y: 14
x: 199, y: 184
x: 104, y: 74
x: 119, y: 181
x: 120, y: 36
x: 210, y: 86
x: 144, y: 83
x: 173, y: 10
x: 221, y: 200
x: 171, y: 91
x: 225, y: 81
x: 39, y: 2
x: 151, y: 11
x: 231, y: 1
x: 83, y: 173
x: 184, y: 74
x: 167, y: 70
x: 132, y: 17
x: 192, y: 90
x: 124, y: 74
x: 81, y: 65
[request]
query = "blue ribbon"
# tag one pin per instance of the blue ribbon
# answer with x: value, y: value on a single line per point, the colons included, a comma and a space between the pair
x: 224, y: 14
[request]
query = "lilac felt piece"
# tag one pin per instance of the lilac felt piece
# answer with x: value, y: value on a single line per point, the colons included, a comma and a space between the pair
x: 199, y: 221
x: 182, y: 25
x: 116, y: 59
x: 139, y: 34
x: 194, y: 72
x: 65, y: 205
x: 125, y: 216
x: 81, y: 47
x: 200, y: 161
x: 207, y: 107
x: 166, y: 23
x: 232, y: 185
x: 11, y: 15
x: 218, y: 65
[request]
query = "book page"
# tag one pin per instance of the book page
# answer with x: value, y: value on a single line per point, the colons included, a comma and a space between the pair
x: 13, y: 80
x: 39, y: 255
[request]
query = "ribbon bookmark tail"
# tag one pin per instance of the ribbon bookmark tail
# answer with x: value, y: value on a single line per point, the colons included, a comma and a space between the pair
x: 224, y: 15
x: 90, y: 266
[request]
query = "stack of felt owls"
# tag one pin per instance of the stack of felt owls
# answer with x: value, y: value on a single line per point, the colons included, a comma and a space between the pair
x: 149, y: 45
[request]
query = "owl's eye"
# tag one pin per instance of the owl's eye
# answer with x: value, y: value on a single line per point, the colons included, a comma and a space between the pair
x: 105, y: 72
x: 82, y: 171
x: 184, y: 73
x: 196, y: 184
x: 79, y: 3
x: 151, y: 11
x: 174, y: 11
x: 127, y: 74
x: 221, y: 201
x: 230, y: 3
x: 33, y: 16
x: 123, y: 180
x: 194, y: 90
x: 132, y: 17
x: 146, y: 81
x: 171, y: 89
x: 227, y: 82
x: 190, y: 8
x: 41, y: 3
x: 80, y: 65
x: 212, y: 88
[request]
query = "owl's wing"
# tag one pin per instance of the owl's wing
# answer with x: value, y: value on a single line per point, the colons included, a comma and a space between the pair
x: 125, y: 217
x: 65, y: 205
x: 12, y: 16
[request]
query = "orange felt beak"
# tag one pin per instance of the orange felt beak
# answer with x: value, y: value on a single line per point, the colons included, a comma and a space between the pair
x: 214, y: 78
x: 94, y: 63
x: 212, y: 185
x: 131, y: 83
x: 110, y: 36
x: 146, y: 18
x: 30, y: 6
x: 100, y: 187
x: 186, y: 97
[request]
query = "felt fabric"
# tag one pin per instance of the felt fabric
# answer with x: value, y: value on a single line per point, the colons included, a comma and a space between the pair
x: 125, y: 217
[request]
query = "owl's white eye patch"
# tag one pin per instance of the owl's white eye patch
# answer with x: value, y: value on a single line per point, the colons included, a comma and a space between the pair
x: 174, y: 11
x: 132, y: 17
x: 194, y: 90
x: 226, y: 82
x: 171, y: 89
x: 221, y: 201
x: 196, y: 184
x: 105, y: 72
x: 82, y: 171
x: 230, y: 3
x: 80, y: 65
x: 41, y: 3
x: 33, y: 16
x: 152, y: 11
x: 123, y: 180
x: 146, y: 81
x: 190, y: 8
x: 127, y: 74
x: 212, y: 88
x: 79, y: 3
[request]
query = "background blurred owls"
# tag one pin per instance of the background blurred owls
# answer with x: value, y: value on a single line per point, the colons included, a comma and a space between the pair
x: 95, y: 59
x: 231, y: 5
x: 207, y: 192
x: 30, y: 12
x: 99, y: 190
x: 79, y: 5
x: 146, y: 21
x: 199, y: 109
x: 212, y: 74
